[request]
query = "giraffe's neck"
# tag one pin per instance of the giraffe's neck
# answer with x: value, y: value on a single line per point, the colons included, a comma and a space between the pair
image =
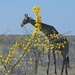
x: 46, y: 29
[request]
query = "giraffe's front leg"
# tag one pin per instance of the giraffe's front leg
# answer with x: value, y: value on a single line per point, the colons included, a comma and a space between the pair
x: 63, y: 65
x: 66, y: 67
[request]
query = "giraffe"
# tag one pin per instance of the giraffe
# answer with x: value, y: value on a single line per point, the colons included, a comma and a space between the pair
x: 47, y: 30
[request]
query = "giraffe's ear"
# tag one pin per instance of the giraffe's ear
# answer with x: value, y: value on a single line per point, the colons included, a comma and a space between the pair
x: 26, y: 15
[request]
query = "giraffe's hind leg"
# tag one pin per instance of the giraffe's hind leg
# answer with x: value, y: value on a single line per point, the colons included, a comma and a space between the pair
x: 63, y: 66
x: 67, y: 61
x: 66, y: 67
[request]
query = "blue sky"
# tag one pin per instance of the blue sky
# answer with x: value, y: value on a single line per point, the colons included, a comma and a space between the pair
x: 59, y: 13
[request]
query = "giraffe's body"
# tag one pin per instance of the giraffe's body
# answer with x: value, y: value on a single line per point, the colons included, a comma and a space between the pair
x: 47, y: 30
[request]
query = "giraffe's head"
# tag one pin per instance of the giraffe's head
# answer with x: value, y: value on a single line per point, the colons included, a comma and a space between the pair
x: 25, y: 20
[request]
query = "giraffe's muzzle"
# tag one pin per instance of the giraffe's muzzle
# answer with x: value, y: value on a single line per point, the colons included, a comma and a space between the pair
x: 22, y: 25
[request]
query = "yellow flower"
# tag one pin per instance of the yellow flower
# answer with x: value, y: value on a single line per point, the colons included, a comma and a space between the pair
x: 20, y: 55
x: 38, y: 32
x: 17, y: 43
x: 9, y: 55
x: 51, y: 35
x: 23, y: 45
x: 3, y: 60
x: 28, y: 50
x: 59, y: 51
x: 59, y: 47
x: 35, y: 45
x: 45, y: 48
x: 28, y: 43
x: 55, y: 52
x: 35, y: 40
x: 63, y: 46
x: 37, y: 29
x: 10, y: 64
x: 13, y: 52
x: 7, y: 59
x: 46, y: 38
x: 0, y: 56
x: 38, y: 40
x: 25, y: 48
x: 36, y: 9
x: 30, y: 59
x: 31, y: 62
x: 65, y: 42
x: 57, y: 43
x: 18, y: 65
x: 0, y: 67
x: 52, y: 45
x: 44, y: 45
x: 9, y: 71
x: 54, y: 34
x: 38, y: 19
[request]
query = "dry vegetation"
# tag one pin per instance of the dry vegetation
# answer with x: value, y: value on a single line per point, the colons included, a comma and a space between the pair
x: 6, y: 42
